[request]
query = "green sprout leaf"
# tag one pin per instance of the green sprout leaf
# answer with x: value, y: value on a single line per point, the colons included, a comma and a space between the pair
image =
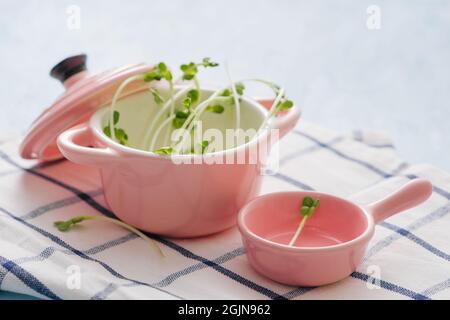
x: 204, y: 144
x: 68, y: 224
x: 284, y: 105
x: 215, y: 108
x: 239, y: 88
x: 116, y: 117
x: 158, y: 73
x: 164, y: 151
x: 120, y: 134
x: 178, y: 122
x: 189, y: 70
x: 226, y: 93
x: 194, y: 95
x: 152, y: 76
x: 107, y: 131
x: 206, y: 62
x: 191, y: 98
x: 180, y: 118
x: 182, y: 114
x: 157, y: 96
x: 307, y: 208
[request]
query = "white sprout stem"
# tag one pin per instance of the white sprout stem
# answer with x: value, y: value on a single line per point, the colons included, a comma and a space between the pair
x: 299, y: 230
x: 160, y: 113
x: 197, y: 86
x: 235, y: 97
x: 114, y: 101
x: 158, y: 131
x: 193, y: 117
x: 178, y: 80
x: 267, y: 83
x: 172, y: 109
x: 272, y: 109
x: 132, y: 229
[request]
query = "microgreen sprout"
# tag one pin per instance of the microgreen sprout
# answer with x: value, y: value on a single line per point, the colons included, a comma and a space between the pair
x: 64, y: 226
x: 119, y: 133
x: 215, y: 108
x: 204, y: 144
x: 172, y: 100
x: 160, y: 72
x: 190, y: 70
x: 226, y: 93
x: 206, y: 62
x: 239, y: 88
x: 192, y: 97
x: 284, y: 105
x: 156, y: 96
x: 175, y: 115
x: 309, y: 205
x: 164, y: 151
x: 180, y: 118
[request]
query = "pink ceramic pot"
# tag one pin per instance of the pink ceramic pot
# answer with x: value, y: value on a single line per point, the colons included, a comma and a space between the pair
x: 333, y: 241
x: 154, y: 193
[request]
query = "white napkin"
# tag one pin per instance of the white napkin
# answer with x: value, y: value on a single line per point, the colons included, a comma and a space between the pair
x: 408, y: 258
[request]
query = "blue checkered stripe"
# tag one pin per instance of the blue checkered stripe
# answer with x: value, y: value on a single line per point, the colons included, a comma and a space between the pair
x: 216, y: 267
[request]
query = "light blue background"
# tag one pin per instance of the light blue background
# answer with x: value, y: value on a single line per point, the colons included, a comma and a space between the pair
x: 345, y: 76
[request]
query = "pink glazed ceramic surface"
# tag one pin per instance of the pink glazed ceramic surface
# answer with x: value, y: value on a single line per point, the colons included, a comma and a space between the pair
x: 85, y: 93
x: 333, y: 241
x: 155, y: 194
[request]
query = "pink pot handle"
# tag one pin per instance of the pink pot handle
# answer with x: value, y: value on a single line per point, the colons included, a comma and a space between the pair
x: 284, y: 122
x: 408, y: 196
x: 74, y: 145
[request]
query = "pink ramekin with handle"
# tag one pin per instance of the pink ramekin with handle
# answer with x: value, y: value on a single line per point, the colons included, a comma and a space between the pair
x: 162, y: 196
x: 333, y: 241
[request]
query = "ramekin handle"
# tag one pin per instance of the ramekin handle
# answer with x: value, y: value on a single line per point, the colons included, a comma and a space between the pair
x: 286, y: 121
x: 408, y: 196
x: 75, y: 143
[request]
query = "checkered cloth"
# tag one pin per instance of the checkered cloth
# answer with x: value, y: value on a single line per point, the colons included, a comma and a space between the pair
x: 407, y: 259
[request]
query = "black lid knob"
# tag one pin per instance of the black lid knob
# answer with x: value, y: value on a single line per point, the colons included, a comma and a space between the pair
x: 68, y: 67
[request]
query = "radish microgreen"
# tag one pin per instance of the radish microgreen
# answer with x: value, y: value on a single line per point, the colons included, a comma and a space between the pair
x: 180, y: 118
x: 156, y: 96
x: 215, y: 108
x: 69, y: 224
x: 175, y: 115
x: 204, y: 144
x: 164, y: 151
x: 192, y: 98
x: 160, y: 72
x: 190, y: 70
x: 239, y: 88
x: 119, y: 133
x: 309, y: 205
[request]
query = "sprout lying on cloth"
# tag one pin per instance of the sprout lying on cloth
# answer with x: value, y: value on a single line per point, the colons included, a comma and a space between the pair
x: 68, y: 224
x: 184, y: 108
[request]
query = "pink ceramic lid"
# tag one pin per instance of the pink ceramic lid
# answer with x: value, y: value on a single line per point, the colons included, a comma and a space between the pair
x: 84, y: 95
